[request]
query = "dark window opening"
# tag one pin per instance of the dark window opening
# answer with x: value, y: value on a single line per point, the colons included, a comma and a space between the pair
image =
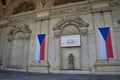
x: 3, y: 2
x: 24, y: 7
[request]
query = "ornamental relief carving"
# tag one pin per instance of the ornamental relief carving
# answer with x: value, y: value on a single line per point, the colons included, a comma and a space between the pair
x: 16, y: 29
x: 76, y: 22
x: 69, y: 10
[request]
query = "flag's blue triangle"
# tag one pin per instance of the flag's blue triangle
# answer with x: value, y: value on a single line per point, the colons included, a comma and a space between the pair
x: 41, y: 38
x: 104, y: 32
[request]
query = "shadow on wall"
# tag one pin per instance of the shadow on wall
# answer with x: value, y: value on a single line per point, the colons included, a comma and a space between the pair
x: 0, y: 64
x: 60, y: 2
x: 24, y: 7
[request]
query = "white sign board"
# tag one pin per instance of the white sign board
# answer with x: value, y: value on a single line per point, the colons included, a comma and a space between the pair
x: 70, y: 41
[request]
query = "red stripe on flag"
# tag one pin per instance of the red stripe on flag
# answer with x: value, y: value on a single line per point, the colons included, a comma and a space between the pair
x: 42, y: 49
x: 109, y: 46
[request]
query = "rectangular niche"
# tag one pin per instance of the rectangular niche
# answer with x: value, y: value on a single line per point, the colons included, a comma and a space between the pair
x: 70, y: 44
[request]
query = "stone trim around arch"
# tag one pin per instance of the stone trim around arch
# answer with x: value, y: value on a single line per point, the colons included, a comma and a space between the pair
x: 15, y: 29
x: 76, y: 20
x: 23, y: 29
x: 82, y: 25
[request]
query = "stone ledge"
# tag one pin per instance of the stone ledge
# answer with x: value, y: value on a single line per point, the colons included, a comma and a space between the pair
x: 70, y: 72
x: 100, y: 63
x: 40, y: 64
x: 39, y: 67
x: 106, y: 73
x: 107, y: 66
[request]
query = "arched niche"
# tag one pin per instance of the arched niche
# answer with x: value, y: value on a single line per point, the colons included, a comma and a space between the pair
x: 24, y: 7
x: 18, y: 39
x: 71, y: 27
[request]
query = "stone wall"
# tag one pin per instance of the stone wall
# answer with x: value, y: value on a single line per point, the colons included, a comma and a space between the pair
x: 80, y: 18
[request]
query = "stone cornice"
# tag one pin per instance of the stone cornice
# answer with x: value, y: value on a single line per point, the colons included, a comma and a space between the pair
x: 70, y: 9
x: 77, y: 8
x: 114, y: 3
x: 99, y: 10
x: 66, y: 9
x: 22, y: 17
x: 42, y: 18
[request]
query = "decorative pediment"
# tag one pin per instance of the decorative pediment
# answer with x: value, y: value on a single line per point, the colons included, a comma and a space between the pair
x: 15, y: 29
x: 78, y: 21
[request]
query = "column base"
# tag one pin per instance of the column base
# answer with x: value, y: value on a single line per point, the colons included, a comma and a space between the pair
x: 39, y: 67
x: 110, y: 65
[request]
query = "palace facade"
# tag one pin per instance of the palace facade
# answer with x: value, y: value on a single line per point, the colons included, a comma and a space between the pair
x: 72, y: 41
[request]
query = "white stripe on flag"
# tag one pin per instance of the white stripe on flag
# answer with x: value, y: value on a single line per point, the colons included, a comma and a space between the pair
x: 37, y: 57
x: 103, y: 52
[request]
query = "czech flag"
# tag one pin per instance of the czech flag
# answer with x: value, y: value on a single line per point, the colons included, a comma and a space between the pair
x: 105, y: 43
x: 40, y: 47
